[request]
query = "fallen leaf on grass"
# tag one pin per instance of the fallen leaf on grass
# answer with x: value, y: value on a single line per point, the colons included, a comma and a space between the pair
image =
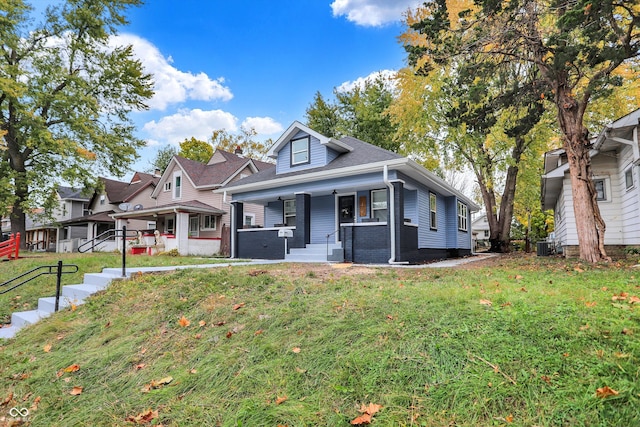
x: 518, y: 277
x: 258, y: 332
x: 143, y: 417
x: 367, y: 412
x: 486, y: 302
x: 590, y: 304
x: 620, y: 297
x: 634, y: 300
x: 280, y: 400
x: 606, y: 391
x: 140, y: 366
x: 75, y: 391
x: 238, y: 306
x: 7, y: 400
x: 370, y: 409
x: 509, y: 418
x: 155, y: 384
x: 47, y: 348
x: 362, y: 419
x: 184, y: 322
x: 296, y: 349
x: 202, y: 323
x: 36, y: 402
x: 72, y: 368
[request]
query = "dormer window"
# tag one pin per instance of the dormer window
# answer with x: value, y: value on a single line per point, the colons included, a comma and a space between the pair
x: 300, y: 151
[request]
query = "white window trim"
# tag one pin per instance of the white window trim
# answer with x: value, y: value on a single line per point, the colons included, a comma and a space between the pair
x: 386, y: 207
x: 307, y: 150
x: 196, y: 231
x: 433, y: 225
x: 463, y: 213
x: 177, y: 188
x: 213, y: 220
x: 284, y: 212
x: 607, y: 187
x: 249, y: 215
x: 629, y: 171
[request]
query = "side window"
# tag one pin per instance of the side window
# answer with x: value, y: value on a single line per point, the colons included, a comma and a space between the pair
x: 379, y: 204
x: 628, y: 178
x: 177, y: 185
x: 462, y: 216
x: 290, y: 212
x: 433, y: 209
x: 601, y: 189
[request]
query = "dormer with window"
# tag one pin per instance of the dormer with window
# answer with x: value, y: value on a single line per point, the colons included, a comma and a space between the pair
x: 301, y: 148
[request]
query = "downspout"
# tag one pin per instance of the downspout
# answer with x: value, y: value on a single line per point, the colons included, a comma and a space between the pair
x: 392, y: 219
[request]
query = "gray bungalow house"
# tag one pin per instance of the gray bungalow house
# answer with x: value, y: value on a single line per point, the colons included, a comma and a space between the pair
x: 347, y: 200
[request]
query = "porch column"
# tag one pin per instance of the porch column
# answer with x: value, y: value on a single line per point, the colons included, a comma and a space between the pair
x: 237, y: 220
x: 398, y: 215
x: 302, y: 235
x: 182, y: 232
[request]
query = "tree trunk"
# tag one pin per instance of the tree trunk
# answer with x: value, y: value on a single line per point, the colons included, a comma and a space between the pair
x: 589, y: 223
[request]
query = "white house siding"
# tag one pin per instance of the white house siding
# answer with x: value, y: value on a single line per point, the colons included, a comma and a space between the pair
x: 605, y: 166
x: 629, y: 208
x: 560, y: 219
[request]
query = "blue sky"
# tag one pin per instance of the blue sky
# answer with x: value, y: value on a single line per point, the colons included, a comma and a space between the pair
x: 227, y: 64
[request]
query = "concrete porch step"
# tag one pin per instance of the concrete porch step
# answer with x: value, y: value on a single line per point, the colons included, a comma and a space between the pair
x: 48, y: 304
x: 8, y: 332
x: 21, y: 319
x: 80, y: 292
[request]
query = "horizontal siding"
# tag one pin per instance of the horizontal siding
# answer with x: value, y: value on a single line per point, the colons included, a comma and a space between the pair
x: 629, y: 208
x: 318, y: 156
x: 411, y: 205
x: 323, y: 218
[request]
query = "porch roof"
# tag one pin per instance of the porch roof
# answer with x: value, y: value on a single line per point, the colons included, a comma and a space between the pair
x: 191, y: 206
x: 102, y: 217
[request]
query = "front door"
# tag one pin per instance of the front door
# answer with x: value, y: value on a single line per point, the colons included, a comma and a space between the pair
x: 346, y: 209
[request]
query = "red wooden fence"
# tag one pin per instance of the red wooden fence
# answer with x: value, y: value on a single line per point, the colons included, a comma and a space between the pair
x: 11, y: 247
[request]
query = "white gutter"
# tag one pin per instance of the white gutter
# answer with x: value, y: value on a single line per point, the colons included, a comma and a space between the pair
x: 392, y: 219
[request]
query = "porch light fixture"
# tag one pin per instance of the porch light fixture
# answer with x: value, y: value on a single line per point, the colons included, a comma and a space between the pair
x: 334, y: 192
x: 279, y: 198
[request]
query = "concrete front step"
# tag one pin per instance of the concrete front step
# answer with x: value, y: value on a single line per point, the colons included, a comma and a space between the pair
x: 80, y: 292
x: 21, y: 319
x: 100, y: 279
x: 8, y: 332
x: 48, y: 304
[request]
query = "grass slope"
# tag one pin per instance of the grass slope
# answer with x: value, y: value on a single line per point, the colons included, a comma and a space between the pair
x: 519, y: 341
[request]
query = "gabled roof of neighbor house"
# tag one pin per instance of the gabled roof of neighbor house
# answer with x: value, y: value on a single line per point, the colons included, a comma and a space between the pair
x: 121, y: 192
x: 356, y: 157
x: 70, y: 193
x: 212, y: 175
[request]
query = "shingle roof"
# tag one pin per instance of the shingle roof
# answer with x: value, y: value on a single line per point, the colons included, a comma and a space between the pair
x: 67, y: 193
x: 119, y: 191
x: 363, y: 153
x: 215, y: 174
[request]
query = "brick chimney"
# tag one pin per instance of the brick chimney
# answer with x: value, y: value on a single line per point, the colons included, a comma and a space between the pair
x: 238, y: 151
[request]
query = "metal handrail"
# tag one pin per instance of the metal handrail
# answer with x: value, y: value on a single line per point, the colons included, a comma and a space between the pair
x: 329, y: 235
x: 111, y: 233
x: 59, y: 271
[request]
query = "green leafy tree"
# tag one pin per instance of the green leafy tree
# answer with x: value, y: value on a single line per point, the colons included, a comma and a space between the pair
x: 162, y: 158
x: 476, y: 112
x: 197, y: 150
x: 360, y: 112
x: 577, y: 47
x: 246, y: 141
x: 65, y: 97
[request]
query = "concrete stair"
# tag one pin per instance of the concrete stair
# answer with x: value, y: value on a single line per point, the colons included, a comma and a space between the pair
x: 315, y: 253
x: 71, y: 294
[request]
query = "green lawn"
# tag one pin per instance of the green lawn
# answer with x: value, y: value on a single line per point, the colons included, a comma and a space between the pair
x: 26, y: 296
x: 518, y: 341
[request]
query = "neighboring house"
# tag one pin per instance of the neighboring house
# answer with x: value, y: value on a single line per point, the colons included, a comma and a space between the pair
x: 189, y: 216
x: 480, y: 233
x: 615, y: 158
x: 45, y: 235
x: 347, y: 200
x: 116, y: 197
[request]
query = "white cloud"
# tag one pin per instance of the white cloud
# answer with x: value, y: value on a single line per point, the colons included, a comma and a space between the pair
x: 389, y: 75
x: 172, y: 85
x: 262, y: 125
x: 373, y: 13
x: 185, y: 124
